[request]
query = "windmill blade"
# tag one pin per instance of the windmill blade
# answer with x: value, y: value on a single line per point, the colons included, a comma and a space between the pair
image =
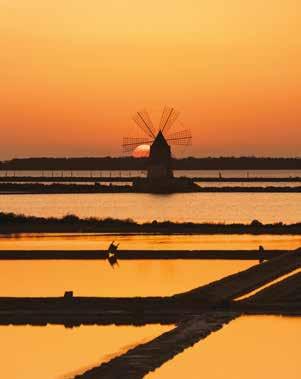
x: 145, y: 115
x: 166, y: 114
x: 182, y: 137
x: 129, y: 143
x: 143, y: 121
x: 168, y: 118
x: 172, y: 119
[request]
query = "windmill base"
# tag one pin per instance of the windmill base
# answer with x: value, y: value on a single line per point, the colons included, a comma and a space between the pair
x: 171, y: 185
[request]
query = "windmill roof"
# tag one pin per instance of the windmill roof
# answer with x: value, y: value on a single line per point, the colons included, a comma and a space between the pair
x: 160, y: 140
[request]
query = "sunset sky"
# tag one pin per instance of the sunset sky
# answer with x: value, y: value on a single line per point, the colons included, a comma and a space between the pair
x: 73, y: 72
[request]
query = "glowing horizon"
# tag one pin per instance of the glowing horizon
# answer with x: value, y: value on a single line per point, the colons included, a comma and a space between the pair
x: 73, y: 74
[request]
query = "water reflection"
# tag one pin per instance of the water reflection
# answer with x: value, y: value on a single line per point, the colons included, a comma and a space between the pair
x: 147, y: 242
x: 194, y: 207
x: 97, y: 278
x: 249, y: 347
x: 54, y: 352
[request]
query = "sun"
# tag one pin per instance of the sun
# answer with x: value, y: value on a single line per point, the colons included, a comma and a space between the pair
x: 141, y: 151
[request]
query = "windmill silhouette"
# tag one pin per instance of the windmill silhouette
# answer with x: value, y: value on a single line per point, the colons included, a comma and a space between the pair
x: 159, y: 164
x: 163, y: 131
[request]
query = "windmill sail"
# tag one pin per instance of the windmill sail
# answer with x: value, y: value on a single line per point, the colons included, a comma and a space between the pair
x: 143, y: 121
x: 168, y: 118
x: 182, y: 137
x: 145, y: 124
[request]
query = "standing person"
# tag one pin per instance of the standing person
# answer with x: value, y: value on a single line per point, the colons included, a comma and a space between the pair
x: 261, y: 254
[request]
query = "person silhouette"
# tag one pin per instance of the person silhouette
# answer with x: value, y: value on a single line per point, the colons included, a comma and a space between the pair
x: 112, y: 254
x: 261, y: 254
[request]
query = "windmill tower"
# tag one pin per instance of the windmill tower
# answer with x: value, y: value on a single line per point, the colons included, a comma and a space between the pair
x: 159, y: 167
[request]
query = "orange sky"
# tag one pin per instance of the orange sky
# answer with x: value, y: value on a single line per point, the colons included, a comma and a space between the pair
x: 73, y: 72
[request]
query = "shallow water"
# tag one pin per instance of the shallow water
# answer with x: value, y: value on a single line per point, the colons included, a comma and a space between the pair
x: 194, y: 207
x: 130, y: 278
x: 96, y: 241
x: 98, y: 278
x: 54, y: 352
x: 249, y: 347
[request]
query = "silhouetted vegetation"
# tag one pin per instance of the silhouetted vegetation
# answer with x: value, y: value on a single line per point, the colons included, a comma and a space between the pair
x: 13, y: 223
x: 129, y: 163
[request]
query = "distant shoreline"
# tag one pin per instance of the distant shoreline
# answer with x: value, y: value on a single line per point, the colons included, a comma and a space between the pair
x: 11, y: 223
x: 130, y: 163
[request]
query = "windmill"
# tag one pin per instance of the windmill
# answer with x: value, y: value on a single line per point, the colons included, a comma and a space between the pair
x: 145, y: 124
x: 159, y: 139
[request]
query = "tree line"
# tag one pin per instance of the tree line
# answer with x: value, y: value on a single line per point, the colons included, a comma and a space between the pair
x: 129, y: 163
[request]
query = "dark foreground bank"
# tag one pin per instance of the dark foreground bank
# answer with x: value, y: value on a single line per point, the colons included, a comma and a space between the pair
x: 13, y: 223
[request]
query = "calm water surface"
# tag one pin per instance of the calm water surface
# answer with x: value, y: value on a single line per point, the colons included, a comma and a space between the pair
x: 195, y: 207
x: 97, y: 278
x: 95, y: 241
x: 58, y: 353
x: 249, y: 347
x: 54, y: 352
